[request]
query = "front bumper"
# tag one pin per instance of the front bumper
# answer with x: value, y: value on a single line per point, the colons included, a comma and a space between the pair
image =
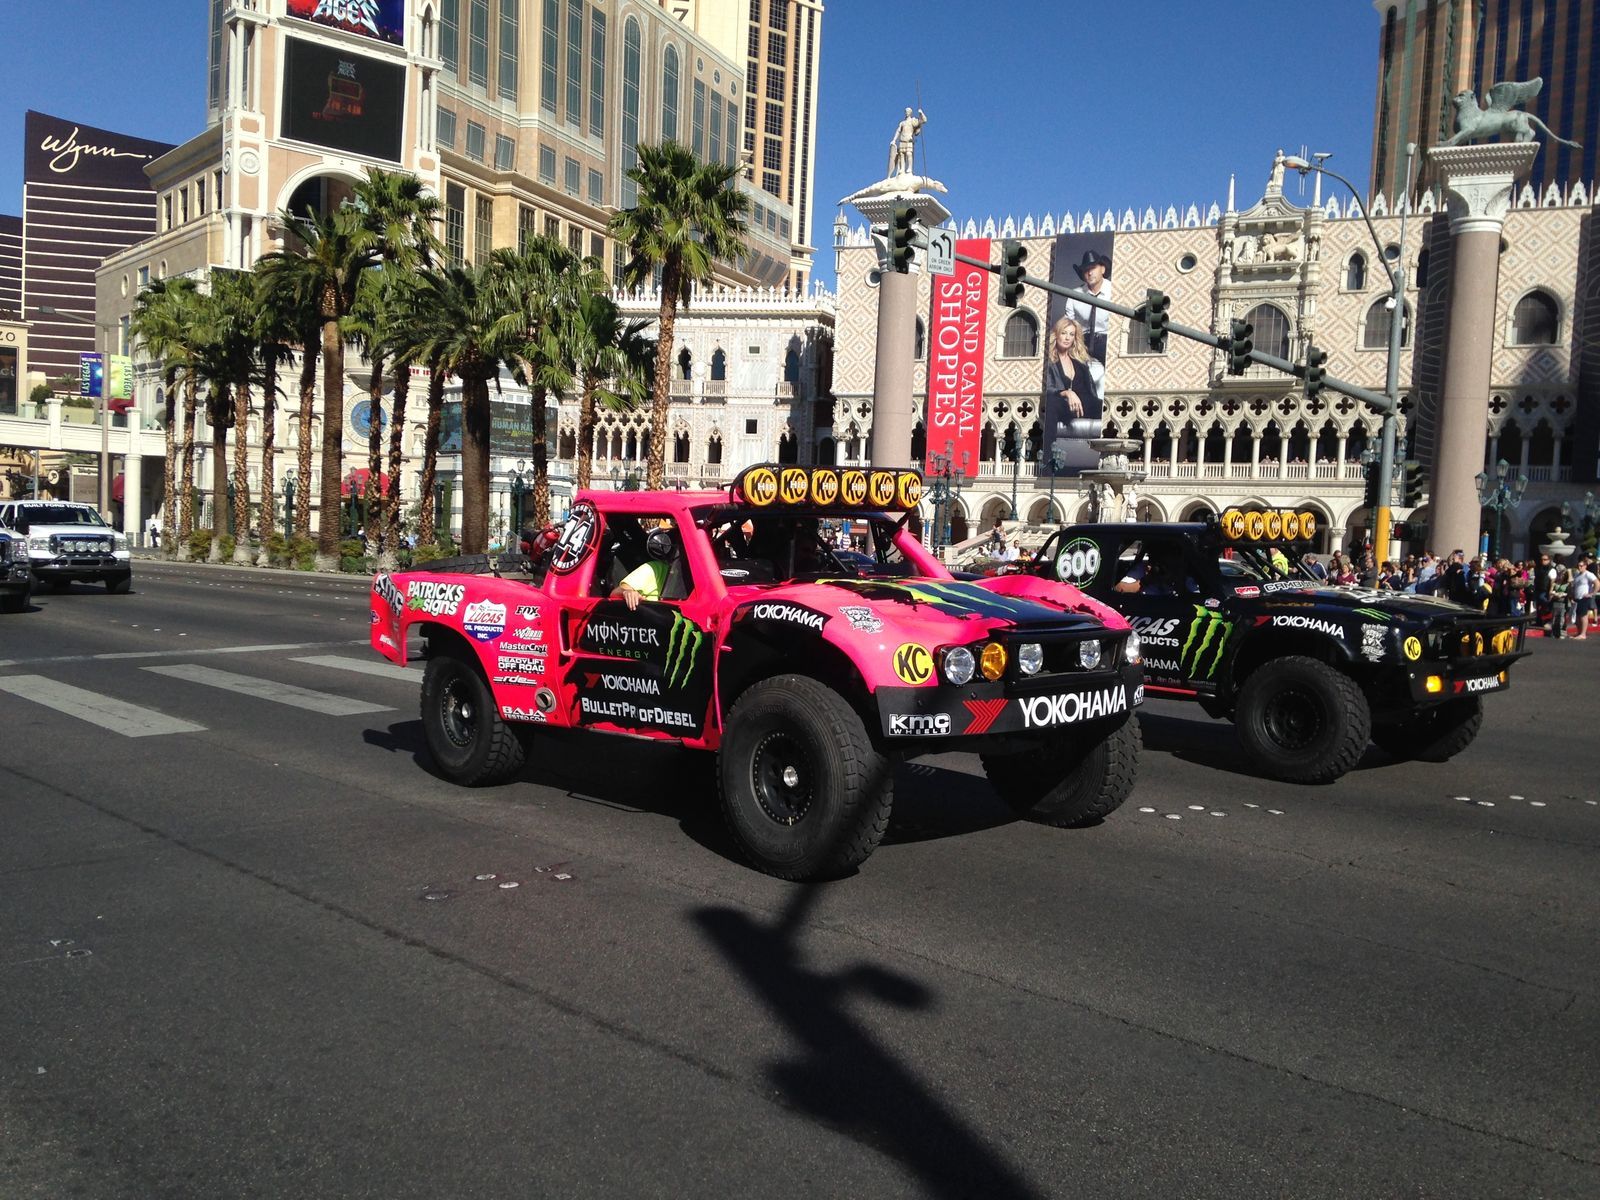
x: 944, y: 713
x: 16, y: 577
x: 86, y: 567
x: 1436, y: 682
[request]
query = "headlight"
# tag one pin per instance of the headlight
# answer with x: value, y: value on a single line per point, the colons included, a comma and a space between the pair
x: 38, y: 543
x: 993, y: 661
x: 1089, y: 654
x: 119, y: 542
x: 1030, y: 657
x: 1132, y: 651
x: 959, y: 665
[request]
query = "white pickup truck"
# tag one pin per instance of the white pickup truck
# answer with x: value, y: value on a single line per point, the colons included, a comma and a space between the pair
x: 67, y: 542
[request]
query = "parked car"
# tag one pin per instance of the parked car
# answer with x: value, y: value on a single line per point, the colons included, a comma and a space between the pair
x: 69, y: 542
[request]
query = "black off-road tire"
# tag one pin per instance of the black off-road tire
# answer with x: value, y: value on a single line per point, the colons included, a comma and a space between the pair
x: 1434, y: 734
x: 119, y: 585
x: 469, y: 741
x: 1079, y: 779
x: 829, y: 815
x: 1302, y: 720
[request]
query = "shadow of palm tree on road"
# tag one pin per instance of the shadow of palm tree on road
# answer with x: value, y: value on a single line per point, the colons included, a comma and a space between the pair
x: 842, y: 1075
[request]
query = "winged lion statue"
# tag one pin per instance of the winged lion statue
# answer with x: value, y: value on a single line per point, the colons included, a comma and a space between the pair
x: 1495, y: 118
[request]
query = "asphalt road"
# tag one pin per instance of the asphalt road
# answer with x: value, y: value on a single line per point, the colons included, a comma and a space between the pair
x: 260, y: 950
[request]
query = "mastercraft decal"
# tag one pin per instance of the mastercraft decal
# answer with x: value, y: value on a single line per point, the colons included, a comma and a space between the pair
x: 861, y: 619
x: 1314, y: 624
x: 537, y: 648
x: 1208, y: 636
x: 484, y: 620
x: 1041, y: 712
x: 435, y: 599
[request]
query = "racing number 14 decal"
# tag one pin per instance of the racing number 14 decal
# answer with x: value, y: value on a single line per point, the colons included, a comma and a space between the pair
x: 1208, y: 635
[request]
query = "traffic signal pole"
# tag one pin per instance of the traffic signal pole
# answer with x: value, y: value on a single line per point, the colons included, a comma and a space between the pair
x: 1376, y: 401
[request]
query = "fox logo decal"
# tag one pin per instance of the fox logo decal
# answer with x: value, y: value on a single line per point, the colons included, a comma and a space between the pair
x: 1207, y: 638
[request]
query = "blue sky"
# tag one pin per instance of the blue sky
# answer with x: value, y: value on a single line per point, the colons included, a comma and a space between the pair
x: 1033, y: 105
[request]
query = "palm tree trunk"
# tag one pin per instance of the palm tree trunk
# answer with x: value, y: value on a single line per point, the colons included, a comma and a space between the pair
x: 217, y: 409
x: 169, y: 491
x: 427, y: 535
x: 661, y: 392
x: 308, y: 409
x: 475, y: 463
x: 387, y: 557
x: 241, y: 472
x: 186, y: 504
x: 372, y: 494
x: 268, y: 523
x: 541, y: 460
x: 328, y: 524
x: 586, y: 432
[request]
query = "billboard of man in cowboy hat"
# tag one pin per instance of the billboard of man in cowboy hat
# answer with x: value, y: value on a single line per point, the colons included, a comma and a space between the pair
x: 1093, y: 270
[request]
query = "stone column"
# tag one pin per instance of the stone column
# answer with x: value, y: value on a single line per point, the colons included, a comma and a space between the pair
x: 894, y: 406
x: 1478, y: 181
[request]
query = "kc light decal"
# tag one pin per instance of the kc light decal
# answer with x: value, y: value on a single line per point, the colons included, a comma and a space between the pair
x: 1413, y: 648
x: 913, y: 664
x: 1202, y: 648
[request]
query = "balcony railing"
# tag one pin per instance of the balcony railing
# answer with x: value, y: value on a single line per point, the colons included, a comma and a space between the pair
x: 716, y: 387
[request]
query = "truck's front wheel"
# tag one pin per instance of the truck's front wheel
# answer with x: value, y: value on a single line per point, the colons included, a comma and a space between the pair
x: 1302, y: 720
x: 1435, y: 734
x: 805, y: 793
x: 1072, y: 782
x: 462, y: 725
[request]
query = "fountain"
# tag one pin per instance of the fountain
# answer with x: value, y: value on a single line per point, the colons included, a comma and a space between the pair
x: 1112, y: 492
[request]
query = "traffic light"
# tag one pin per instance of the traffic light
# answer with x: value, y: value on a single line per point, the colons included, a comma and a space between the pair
x: 1411, y: 483
x: 1316, y: 370
x: 1369, y: 497
x: 1011, y: 256
x: 1155, y: 319
x: 900, y: 238
x: 1239, y: 346
x: 1401, y: 531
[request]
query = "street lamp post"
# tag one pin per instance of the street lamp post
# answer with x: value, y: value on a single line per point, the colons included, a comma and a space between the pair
x: 1382, y: 519
x: 104, y: 489
x: 1497, y: 493
x: 1055, y: 460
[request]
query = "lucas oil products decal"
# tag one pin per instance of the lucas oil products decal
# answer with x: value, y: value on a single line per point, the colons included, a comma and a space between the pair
x: 484, y: 620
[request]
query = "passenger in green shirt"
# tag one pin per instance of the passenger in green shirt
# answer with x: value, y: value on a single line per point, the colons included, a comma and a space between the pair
x: 644, y: 582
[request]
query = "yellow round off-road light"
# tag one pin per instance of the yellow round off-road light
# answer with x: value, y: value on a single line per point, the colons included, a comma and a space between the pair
x: 793, y: 485
x: 1233, y: 524
x: 992, y: 662
x: 908, y: 489
x: 824, y: 486
x: 1274, y: 525
x: 1291, y: 526
x: 761, y: 486
x: 853, y: 487
x: 1308, y: 525
x: 1255, y: 525
x: 1434, y: 684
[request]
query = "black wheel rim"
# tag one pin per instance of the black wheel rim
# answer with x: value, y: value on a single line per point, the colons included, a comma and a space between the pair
x: 458, y: 713
x: 1294, y: 718
x: 782, y: 774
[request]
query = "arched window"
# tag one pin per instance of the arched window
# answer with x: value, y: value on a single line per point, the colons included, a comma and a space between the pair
x: 1536, y: 321
x: 719, y: 364
x: 669, y: 95
x: 567, y: 444
x: 788, y: 450
x: 1271, y: 329
x: 791, y: 367
x: 919, y: 443
x: 1421, y: 280
x: 920, y: 347
x: 1022, y: 336
x: 680, y: 447
x: 685, y: 364
x: 1375, y: 329
x: 714, y: 449
x: 1355, y: 273
x: 630, y: 110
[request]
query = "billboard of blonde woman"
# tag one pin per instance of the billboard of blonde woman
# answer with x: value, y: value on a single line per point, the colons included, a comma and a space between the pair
x: 1072, y: 408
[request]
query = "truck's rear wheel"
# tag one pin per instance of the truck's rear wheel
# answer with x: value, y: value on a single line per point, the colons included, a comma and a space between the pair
x: 804, y: 791
x: 1302, y: 720
x: 1435, y: 734
x: 1076, y: 780
x: 462, y: 725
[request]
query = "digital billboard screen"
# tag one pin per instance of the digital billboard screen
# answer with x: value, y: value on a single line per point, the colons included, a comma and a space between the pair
x: 384, y: 20
x: 343, y: 101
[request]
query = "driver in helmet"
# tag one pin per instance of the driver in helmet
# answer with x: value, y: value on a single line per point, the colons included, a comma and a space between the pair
x: 646, y: 580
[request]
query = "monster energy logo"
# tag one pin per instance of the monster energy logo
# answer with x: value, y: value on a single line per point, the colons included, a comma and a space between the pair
x: 1206, y: 629
x: 683, y: 645
x: 1372, y: 614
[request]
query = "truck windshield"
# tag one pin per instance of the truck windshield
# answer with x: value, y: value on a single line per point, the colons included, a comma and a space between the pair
x: 772, y: 547
x: 1263, y: 564
x: 56, y: 514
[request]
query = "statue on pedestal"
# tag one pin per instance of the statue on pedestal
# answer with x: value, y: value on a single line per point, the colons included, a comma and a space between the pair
x: 902, y: 151
x: 902, y: 146
x: 1478, y: 122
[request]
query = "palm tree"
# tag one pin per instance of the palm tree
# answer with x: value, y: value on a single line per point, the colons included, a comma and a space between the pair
x: 226, y: 353
x: 329, y: 254
x: 159, y: 324
x: 427, y: 535
x: 605, y: 348
x: 688, y: 216
x: 475, y: 325
x: 276, y: 330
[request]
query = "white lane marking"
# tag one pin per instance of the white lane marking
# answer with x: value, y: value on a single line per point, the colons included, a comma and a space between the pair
x: 130, y: 720
x: 130, y: 654
x: 362, y: 666
x: 266, y: 689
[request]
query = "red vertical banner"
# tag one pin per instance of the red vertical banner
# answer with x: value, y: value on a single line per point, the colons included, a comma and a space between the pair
x: 957, y: 335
